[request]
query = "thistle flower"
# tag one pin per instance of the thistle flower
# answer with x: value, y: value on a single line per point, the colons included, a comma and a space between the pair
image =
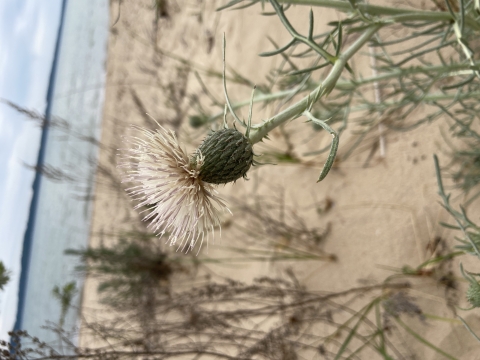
x: 228, y: 155
x: 169, y: 184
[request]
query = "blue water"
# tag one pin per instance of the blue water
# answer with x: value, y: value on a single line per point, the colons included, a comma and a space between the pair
x: 61, y: 209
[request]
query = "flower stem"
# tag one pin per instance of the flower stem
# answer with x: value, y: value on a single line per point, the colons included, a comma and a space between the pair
x: 445, y: 70
x: 259, y: 131
x: 397, y: 14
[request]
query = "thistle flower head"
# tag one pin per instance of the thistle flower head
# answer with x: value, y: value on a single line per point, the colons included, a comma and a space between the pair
x: 228, y: 155
x: 169, y: 185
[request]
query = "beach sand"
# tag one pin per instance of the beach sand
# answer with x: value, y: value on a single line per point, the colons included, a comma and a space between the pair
x: 384, y: 210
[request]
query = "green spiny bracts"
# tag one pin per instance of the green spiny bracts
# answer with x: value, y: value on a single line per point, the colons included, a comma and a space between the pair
x: 227, y: 156
x: 473, y: 294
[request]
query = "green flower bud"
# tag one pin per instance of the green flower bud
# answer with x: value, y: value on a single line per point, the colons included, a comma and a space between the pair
x: 473, y: 294
x: 226, y: 156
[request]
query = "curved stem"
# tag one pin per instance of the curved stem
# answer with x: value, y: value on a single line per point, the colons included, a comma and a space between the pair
x: 259, y: 131
x: 468, y: 328
x: 227, y: 99
x: 445, y: 70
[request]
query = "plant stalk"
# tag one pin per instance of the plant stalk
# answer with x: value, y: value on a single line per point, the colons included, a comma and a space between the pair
x: 259, y: 131
x: 445, y: 70
x: 397, y: 14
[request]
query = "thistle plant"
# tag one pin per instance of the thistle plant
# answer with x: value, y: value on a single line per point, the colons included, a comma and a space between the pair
x: 435, y: 71
x: 469, y: 244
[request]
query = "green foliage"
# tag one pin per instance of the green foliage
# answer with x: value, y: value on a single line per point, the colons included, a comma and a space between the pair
x: 434, y: 75
x: 470, y: 243
x: 4, y: 275
x: 128, y: 271
x: 466, y: 165
x: 65, y: 296
x: 473, y: 294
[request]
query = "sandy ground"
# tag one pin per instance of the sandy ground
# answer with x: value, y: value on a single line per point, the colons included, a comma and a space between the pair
x: 385, y: 212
